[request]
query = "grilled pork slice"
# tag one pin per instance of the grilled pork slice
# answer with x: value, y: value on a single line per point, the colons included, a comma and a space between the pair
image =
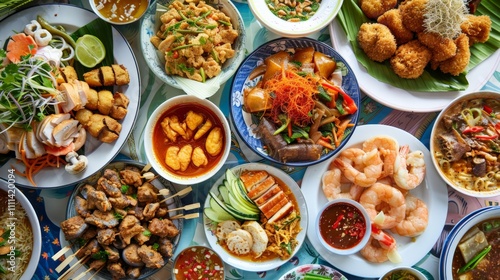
x: 261, y: 187
x: 272, y: 191
x: 285, y: 210
x: 274, y: 204
x: 252, y: 178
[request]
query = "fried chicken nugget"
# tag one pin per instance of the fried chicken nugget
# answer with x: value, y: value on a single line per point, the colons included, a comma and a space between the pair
x: 410, y: 60
x: 458, y: 63
x: 377, y: 41
x: 393, y: 20
x: 412, y: 13
x: 374, y: 8
x: 477, y: 28
x: 442, y: 48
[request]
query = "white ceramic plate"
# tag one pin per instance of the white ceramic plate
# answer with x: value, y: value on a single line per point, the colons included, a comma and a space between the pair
x: 456, y: 234
x: 298, y: 273
x: 264, y: 265
x: 327, y: 11
x: 98, y: 154
x: 401, y: 99
x: 432, y: 191
x: 12, y: 191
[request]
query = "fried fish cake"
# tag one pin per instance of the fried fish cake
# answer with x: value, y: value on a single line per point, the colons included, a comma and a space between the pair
x: 374, y: 8
x: 377, y: 41
x: 442, y: 48
x: 458, y: 63
x: 122, y: 76
x: 108, y: 76
x: 393, y: 20
x: 477, y: 28
x: 93, y: 78
x: 412, y: 13
x: 410, y: 60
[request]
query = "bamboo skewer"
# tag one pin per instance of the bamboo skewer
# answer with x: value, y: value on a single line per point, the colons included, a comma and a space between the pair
x: 180, y: 193
x: 186, y: 207
x: 72, y: 269
x: 95, y: 273
x: 185, y: 217
x: 62, y: 265
x: 61, y: 252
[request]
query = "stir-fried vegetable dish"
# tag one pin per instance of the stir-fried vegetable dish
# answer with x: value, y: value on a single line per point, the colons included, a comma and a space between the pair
x: 301, y: 108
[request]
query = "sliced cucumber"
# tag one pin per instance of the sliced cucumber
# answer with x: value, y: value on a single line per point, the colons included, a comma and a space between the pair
x: 223, y: 213
x: 232, y: 211
x: 224, y: 192
x: 217, y: 216
x: 243, y: 192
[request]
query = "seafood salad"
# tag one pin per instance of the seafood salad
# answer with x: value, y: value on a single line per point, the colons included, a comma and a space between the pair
x: 467, y: 144
x: 48, y: 112
x: 300, y: 110
x: 380, y: 175
x: 121, y: 225
x: 195, y: 39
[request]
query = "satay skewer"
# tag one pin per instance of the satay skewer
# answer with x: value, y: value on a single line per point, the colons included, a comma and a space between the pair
x: 63, y: 264
x: 179, y: 193
x: 68, y: 273
x: 185, y: 217
x: 186, y: 207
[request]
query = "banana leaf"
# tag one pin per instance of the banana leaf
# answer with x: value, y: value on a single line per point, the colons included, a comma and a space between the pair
x: 351, y: 17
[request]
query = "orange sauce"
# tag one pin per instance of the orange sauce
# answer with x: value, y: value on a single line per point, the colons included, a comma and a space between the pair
x: 121, y: 11
x: 161, y: 142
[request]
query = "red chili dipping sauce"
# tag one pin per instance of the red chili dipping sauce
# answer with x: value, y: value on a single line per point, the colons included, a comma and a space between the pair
x: 342, y: 225
x: 198, y: 262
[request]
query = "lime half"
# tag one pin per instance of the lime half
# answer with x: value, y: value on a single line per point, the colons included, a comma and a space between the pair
x: 89, y: 50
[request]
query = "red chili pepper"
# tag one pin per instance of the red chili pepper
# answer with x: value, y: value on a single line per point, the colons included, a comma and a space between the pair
x: 486, y: 137
x: 487, y: 109
x: 176, y: 54
x: 337, y: 222
x: 349, y: 104
x: 473, y: 129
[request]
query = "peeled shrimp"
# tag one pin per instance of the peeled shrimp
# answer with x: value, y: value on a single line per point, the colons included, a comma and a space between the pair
x: 388, y: 148
x: 333, y: 189
x: 416, y: 218
x: 384, y: 198
x: 371, y: 170
x: 387, y: 242
x: 374, y: 252
x: 409, y: 168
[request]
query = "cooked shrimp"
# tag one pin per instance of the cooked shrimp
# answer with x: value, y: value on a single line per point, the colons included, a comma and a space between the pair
x: 371, y: 170
x: 388, y: 148
x: 333, y: 189
x: 416, y: 218
x: 409, y: 168
x: 381, y: 197
x: 374, y: 252
x: 353, y: 156
x: 387, y: 242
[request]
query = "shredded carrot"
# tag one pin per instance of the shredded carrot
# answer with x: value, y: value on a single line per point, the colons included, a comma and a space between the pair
x: 33, y: 166
x: 341, y: 130
x: 293, y: 95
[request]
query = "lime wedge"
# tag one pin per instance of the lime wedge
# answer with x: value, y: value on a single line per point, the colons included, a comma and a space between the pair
x: 89, y: 50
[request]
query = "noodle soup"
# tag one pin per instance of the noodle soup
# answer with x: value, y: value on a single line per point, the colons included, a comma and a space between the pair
x: 16, y: 235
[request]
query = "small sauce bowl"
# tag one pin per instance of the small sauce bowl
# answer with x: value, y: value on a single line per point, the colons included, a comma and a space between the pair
x: 198, y: 262
x: 343, y: 226
x: 403, y: 272
x: 127, y: 11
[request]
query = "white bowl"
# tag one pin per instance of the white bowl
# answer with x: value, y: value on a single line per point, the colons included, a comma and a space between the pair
x: 360, y: 244
x: 157, y: 162
x: 326, y: 13
x: 156, y: 61
x: 456, y: 234
x: 202, y: 259
x: 137, y: 11
x: 460, y: 186
x: 413, y: 271
x: 10, y: 189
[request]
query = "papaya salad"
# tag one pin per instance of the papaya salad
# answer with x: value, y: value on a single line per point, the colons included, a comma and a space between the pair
x: 301, y: 110
x: 48, y: 99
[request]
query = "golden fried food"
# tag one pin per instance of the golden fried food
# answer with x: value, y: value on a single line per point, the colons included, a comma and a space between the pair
x: 393, y: 20
x: 69, y: 74
x: 105, y: 101
x: 410, y: 60
x: 477, y: 28
x: 199, y: 158
x: 213, y: 145
x: 377, y: 41
x: 459, y: 62
x: 412, y: 13
x: 442, y: 48
x: 93, y: 78
x: 121, y: 74
x: 92, y: 99
x: 374, y: 8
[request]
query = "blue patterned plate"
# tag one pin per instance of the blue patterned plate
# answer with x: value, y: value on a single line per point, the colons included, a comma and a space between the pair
x: 242, y: 120
x: 299, y: 272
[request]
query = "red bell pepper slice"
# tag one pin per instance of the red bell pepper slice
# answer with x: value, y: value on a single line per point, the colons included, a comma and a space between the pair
x: 486, y: 137
x: 473, y: 129
x: 348, y: 104
x: 487, y: 109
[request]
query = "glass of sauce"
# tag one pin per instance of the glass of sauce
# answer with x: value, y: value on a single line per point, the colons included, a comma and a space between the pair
x: 343, y: 226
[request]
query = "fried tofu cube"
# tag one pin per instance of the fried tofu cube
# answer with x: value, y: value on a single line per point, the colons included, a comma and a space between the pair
x: 121, y: 74
x: 93, y: 78
x: 108, y: 76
